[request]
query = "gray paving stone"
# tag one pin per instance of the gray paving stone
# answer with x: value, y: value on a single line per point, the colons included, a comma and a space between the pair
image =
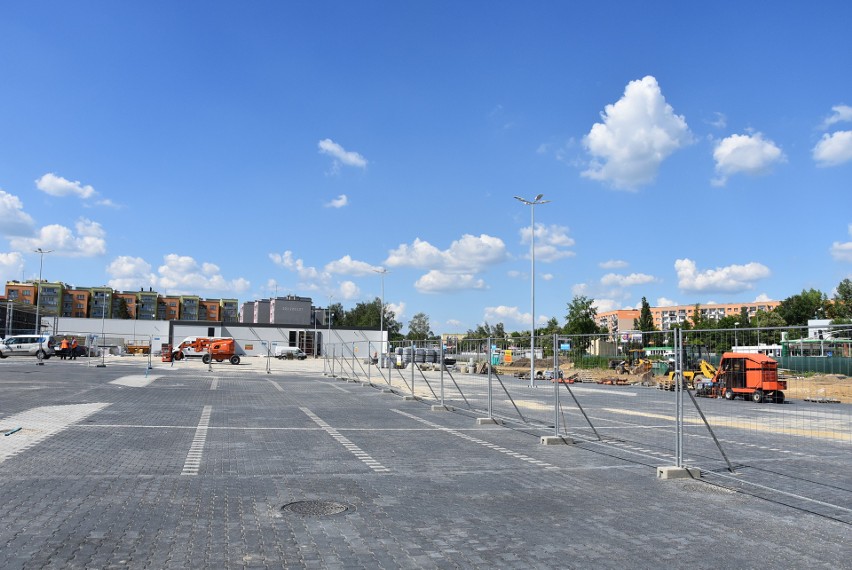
x: 108, y: 491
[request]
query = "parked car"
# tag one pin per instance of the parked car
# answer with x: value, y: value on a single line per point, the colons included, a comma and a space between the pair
x: 289, y: 352
x: 81, y: 350
x: 28, y: 345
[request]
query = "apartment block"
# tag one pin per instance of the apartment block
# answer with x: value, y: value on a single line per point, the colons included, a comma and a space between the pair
x: 666, y: 317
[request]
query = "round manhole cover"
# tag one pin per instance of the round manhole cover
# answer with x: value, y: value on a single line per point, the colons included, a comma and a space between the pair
x: 316, y: 508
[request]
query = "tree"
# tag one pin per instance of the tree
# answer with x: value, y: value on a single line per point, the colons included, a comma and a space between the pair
x: 767, y: 320
x: 367, y: 315
x: 485, y: 330
x: 797, y: 309
x: 841, y: 308
x: 581, y: 320
x: 645, y: 322
x: 122, y: 312
x: 418, y: 327
x: 337, y: 314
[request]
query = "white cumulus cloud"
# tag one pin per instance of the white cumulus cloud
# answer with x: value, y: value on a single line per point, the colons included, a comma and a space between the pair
x: 730, y: 279
x: 397, y: 308
x: 469, y: 253
x: 833, y: 149
x: 842, y: 251
x: 182, y: 274
x: 13, y: 220
x: 613, y: 264
x: 289, y: 262
x: 551, y: 242
x: 348, y: 290
x: 841, y: 114
x: 762, y: 298
x: 606, y: 305
x: 437, y: 281
x: 637, y: 134
x: 666, y: 302
x: 59, y: 186
x: 88, y: 242
x: 503, y: 313
x: 11, y: 265
x: 341, y: 155
x: 614, y: 279
x: 748, y: 154
x: 128, y: 273
x: 348, y: 266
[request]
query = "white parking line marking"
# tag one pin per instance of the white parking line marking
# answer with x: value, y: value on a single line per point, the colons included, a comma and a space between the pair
x: 354, y: 449
x: 456, y: 433
x: 196, y: 449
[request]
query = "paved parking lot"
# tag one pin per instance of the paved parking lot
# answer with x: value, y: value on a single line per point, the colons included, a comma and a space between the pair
x: 184, y: 467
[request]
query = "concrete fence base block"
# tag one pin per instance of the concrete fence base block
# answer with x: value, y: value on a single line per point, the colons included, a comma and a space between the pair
x: 440, y: 408
x: 387, y: 390
x: 556, y: 440
x: 674, y: 472
x: 409, y: 397
x: 484, y: 421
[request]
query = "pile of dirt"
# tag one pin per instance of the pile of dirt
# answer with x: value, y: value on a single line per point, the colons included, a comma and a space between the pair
x: 822, y: 386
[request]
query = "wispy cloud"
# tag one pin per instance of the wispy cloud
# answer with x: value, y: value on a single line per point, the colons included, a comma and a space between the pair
x: 341, y: 155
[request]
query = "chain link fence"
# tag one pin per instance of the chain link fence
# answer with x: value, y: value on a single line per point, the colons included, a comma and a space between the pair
x: 765, y: 411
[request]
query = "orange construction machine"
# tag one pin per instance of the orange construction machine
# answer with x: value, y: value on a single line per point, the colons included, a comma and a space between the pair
x: 751, y: 376
x: 208, y: 349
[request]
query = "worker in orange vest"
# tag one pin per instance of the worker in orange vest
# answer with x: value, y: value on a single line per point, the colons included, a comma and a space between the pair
x: 74, y: 348
x: 63, y: 349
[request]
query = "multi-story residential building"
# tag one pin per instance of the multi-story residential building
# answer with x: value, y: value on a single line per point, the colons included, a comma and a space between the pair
x: 21, y: 292
x: 100, y: 306
x: 75, y: 303
x: 61, y: 300
x: 209, y: 309
x: 130, y: 302
x: 230, y: 310
x: 168, y: 309
x: 189, y: 307
x: 615, y: 321
x: 666, y: 317
x: 147, y: 305
x: 49, y: 298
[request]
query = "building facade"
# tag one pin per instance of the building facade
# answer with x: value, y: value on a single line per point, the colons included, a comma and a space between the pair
x: 667, y: 317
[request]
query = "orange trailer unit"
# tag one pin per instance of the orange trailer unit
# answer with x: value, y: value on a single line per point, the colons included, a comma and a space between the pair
x: 751, y: 376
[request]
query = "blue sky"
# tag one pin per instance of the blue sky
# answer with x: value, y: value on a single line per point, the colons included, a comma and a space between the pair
x: 691, y: 154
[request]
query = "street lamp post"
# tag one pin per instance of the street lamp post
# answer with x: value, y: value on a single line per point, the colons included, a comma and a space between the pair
x: 381, y: 272
x: 532, y: 204
x: 41, y: 253
x: 328, y: 336
x: 103, y: 332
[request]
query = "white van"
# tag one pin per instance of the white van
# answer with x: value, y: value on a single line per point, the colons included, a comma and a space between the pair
x: 40, y: 346
x: 289, y: 352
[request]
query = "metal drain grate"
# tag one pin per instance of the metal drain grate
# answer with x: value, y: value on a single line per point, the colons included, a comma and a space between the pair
x: 316, y: 508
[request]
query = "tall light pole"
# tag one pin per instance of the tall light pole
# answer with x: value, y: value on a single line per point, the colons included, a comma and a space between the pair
x: 736, y: 325
x: 328, y: 336
x: 381, y: 271
x: 532, y: 204
x: 41, y: 253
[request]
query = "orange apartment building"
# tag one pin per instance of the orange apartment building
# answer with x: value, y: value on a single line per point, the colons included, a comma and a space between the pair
x: 666, y: 317
x: 95, y: 302
x: 21, y: 292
